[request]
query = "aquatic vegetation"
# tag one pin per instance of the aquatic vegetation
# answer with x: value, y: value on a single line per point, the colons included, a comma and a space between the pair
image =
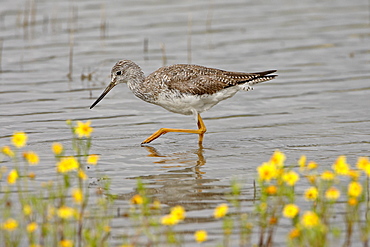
x: 323, y: 190
x: 56, y: 213
x: 66, y: 212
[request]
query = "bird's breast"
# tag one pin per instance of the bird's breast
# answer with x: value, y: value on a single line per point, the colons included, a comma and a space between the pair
x: 185, y: 104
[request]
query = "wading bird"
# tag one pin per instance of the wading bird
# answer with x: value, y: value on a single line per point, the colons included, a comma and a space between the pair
x: 183, y: 88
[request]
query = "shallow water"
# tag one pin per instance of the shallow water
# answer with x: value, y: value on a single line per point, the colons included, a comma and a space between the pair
x: 318, y: 106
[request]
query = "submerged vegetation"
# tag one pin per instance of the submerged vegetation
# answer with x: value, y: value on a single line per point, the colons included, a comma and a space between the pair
x: 66, y: 212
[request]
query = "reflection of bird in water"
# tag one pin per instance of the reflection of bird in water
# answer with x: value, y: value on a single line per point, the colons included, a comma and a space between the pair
x: 178, y: 177
x: 179, y: 158
x: 183, y: 88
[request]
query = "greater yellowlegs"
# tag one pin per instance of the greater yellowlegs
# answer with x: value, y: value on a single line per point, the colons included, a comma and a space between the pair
x: 183, y: 88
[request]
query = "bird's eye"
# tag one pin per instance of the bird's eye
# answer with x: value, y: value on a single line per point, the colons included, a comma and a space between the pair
x: 118, y: 73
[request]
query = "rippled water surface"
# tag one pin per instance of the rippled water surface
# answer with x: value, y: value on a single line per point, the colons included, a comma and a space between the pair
x: 318, y: 106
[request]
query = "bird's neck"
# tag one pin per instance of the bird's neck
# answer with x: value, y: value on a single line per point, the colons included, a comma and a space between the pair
x: 136, y: 83
x: 136, y: 78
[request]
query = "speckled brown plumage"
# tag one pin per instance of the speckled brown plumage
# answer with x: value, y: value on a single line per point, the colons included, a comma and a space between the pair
x: 199, y: 80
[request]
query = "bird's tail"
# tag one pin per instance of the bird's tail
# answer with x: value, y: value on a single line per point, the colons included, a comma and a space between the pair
x: 256, y: 78
x: 261, y: 77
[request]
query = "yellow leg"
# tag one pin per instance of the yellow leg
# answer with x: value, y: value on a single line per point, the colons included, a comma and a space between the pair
x: 201, y: 128
x: 200, y: 131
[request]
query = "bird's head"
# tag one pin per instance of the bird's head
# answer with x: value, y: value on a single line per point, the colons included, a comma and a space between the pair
x: 122, y: 72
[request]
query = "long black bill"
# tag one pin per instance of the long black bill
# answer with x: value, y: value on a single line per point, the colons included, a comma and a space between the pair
x: 109, y: 87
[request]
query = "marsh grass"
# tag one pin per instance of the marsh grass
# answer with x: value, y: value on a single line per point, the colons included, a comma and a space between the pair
x: 66, y: 212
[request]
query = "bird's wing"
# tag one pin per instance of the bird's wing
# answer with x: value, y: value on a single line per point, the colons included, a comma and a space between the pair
x: 194, y: 79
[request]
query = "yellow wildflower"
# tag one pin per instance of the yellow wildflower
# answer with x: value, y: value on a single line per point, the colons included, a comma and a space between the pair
x: 278, y: 158
x: 311, y: 178
x: 57, y: 148
x: 221, y: 210
x: 302, y: 162
x: 178, y: 212
x: 311, y: 194
x: 294, y: 233
x: 267, y: 171
x: 27, y: 210
x: 352, y: 201
x: 327, y: 175
x: 310, y: 219
x: 290, y: 178
x: 31, y: 157
x: 65, y: 212
x: 83, y: 129
x: 31, y: 227
x: 354, y: 189
x: 67, y: 164
x: 367, y: 170
x: 362, y: 163
x: 271, y: 190
x: 81, y: 174
x: 340, y: 166
x: 9, y: 225
x: 355, y: 175
x: 19, y: 139
x: 7, y: 151
x: 92, y: 159
x: 312, y: 165
x: 77, y: 195
x: 137, y: 199
x: 66, y: 243
x: 290, y: 210
x: 12, y: 177
x: 332, y: 193
x: 200, y: 236
x: 169, y: 220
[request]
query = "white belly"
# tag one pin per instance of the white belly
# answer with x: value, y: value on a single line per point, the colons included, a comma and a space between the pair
x: 186, y: 104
